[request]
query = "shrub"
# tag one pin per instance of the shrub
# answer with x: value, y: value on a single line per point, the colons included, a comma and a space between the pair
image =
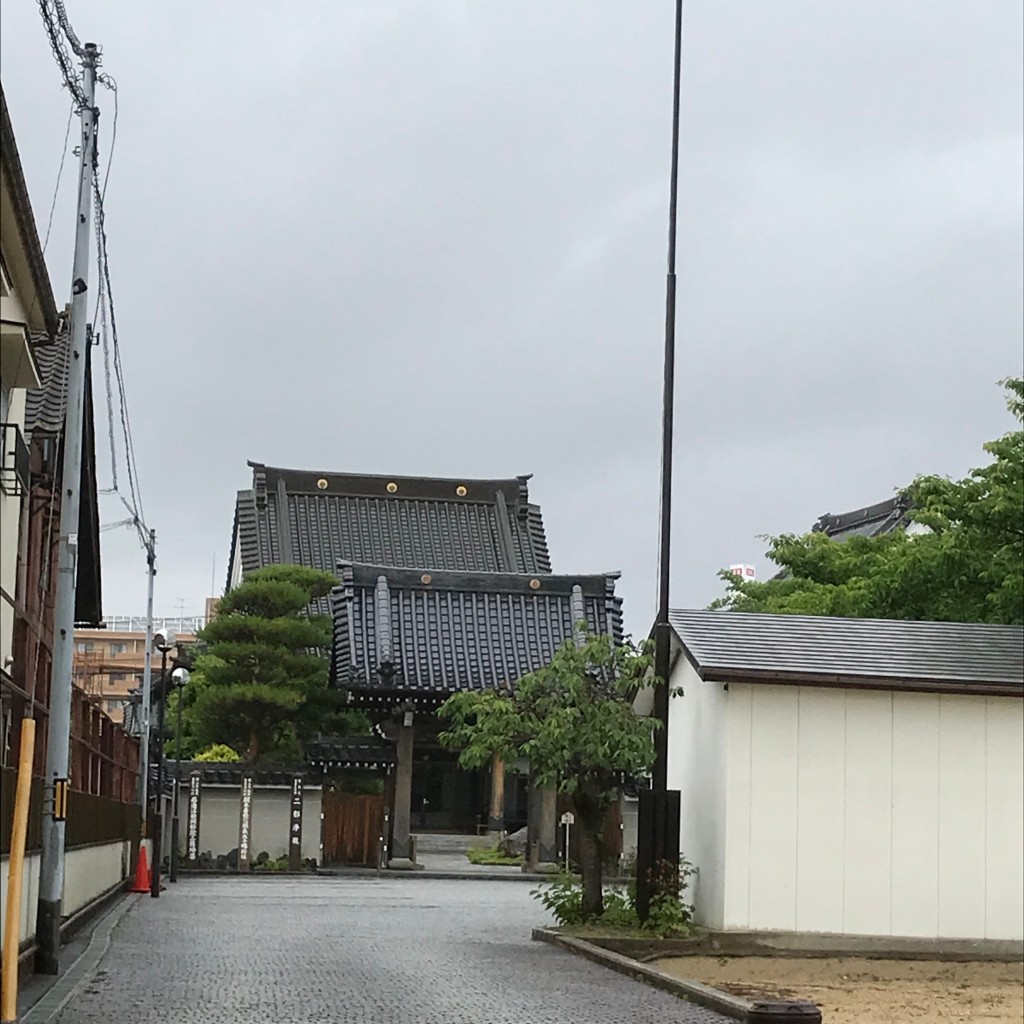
x: 669, y: 913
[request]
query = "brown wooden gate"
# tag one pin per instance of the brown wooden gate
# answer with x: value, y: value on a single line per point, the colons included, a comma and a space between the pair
x: 352, y: 828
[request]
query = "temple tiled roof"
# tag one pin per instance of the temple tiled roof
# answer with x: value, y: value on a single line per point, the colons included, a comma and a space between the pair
x: 871, y: 521
x: 350, y: 752
x: 316, y: 519
x: 433, y: 633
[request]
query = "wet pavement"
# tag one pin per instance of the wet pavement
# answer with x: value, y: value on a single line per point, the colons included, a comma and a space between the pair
x: 352, y: 951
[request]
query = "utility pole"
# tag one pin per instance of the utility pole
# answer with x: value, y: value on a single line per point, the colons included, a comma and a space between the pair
x: 658, y: 822
x: 147, y: 683
x: 51, y: 867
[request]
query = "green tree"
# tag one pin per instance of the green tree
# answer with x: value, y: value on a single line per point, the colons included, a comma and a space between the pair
x: 968, y: 566
x: 574, y: 721
x: 218, y: 753
x: 260, y: 684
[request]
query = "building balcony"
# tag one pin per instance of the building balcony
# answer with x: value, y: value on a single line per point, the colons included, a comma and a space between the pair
x: 14, y: 460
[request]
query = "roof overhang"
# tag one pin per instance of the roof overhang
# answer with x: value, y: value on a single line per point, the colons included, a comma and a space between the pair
x: 24, y: 261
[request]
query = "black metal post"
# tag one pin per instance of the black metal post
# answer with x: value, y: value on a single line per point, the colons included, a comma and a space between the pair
x: 158, y: 816
x: 177, y: 788
x: 654, y: 814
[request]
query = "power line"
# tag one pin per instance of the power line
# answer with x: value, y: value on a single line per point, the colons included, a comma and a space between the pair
x: 60, y: 174
x: 55, y: 20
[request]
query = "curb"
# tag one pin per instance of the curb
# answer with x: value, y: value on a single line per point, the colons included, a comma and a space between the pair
x: 80, y: 972
x: 461, y: 876
x: 693, y: 991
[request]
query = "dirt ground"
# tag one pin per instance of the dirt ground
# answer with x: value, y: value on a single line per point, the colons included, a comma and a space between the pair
x: 856, y: 991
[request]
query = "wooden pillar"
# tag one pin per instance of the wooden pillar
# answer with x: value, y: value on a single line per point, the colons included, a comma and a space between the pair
x: 547, y: 826
x: 401, y: 847
x: 496, y: 818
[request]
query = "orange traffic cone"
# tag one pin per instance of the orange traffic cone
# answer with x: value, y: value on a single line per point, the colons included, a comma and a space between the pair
x: 142, y: 879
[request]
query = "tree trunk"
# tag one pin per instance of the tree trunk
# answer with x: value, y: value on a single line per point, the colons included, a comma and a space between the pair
x: 590, y: 812
x: 254, y: 749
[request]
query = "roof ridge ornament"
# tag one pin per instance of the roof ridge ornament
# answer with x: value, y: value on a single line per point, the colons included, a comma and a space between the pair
x: 382, y: 622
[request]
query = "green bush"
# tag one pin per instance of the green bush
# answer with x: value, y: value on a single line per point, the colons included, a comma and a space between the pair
x: 479, y: 854
x: 218, y: 753
x: 669, y: 913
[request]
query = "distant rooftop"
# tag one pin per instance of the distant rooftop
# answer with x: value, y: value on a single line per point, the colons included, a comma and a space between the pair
x: 871, y: 521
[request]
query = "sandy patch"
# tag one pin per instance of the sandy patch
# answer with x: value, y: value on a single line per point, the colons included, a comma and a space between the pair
x: 857, y: 991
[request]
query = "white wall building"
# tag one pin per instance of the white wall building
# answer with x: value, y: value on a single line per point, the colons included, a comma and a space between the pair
x: 851, y: 776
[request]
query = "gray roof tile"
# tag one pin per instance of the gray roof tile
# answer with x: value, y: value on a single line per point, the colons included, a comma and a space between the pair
x: 441, y: 632
x: 898, y: 654
x: 872, y: 521
x: 350, y: 751
x: 317, y: 519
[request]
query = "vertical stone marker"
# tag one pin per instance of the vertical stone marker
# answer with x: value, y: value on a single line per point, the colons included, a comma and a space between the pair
x: 245, y: 826
x: 195, y: 791
x: 295, y: 826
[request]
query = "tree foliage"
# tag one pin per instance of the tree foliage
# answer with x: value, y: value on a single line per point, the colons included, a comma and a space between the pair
x: 260, y: 685
x: 218, y: 753
x: 574, y: 721
x: 966, y: 566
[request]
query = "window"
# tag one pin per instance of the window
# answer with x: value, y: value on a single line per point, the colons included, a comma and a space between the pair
x: 119, y: 648
x: 84, y: 647
x: 117, y: 677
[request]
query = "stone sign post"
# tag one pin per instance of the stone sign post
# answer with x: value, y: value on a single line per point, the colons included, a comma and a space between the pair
x: 295, y: 826
x: 195, y: 789
x: 245, y: 826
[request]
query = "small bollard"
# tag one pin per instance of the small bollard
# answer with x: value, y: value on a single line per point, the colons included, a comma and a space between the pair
x: 787, y: 1011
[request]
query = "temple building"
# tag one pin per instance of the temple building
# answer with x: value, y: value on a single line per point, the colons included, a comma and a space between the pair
x: 443, y: 586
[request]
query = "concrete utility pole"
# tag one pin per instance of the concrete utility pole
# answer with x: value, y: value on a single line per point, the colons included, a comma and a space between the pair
x: 51, y: 868
x: 147, y: 683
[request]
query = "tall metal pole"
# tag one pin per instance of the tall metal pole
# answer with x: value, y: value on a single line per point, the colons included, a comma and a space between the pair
x: 147, y: 682
x: 158, y: 817
x: 51, y: 868
x: 658, y: 822
x: 663, y: 631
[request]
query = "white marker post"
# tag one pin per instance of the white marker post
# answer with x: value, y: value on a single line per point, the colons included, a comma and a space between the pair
x: 568, y: 819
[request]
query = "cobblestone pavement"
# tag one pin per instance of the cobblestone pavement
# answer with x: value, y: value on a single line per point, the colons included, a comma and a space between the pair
x: 354, y: 951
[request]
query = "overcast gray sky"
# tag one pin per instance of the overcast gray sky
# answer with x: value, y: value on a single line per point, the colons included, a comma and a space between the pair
x: 429, y: 238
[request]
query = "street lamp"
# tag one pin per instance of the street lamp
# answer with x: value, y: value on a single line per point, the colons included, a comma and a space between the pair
x: 164, y: 643
x: 180, y: 678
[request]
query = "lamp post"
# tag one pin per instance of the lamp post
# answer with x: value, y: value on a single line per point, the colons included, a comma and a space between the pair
x: 180, y: 678
x: 164, y: 643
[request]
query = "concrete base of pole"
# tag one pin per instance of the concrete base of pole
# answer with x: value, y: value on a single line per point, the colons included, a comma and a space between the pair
x: 48, y: 921
x: 403, y: 864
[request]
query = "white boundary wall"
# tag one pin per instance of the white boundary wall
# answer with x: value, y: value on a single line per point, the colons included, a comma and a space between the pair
x: 89, y: 871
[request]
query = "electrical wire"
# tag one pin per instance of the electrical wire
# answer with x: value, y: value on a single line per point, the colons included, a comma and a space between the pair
x: 55, y: 21
x: 60, y: 174
x: 58, y: 28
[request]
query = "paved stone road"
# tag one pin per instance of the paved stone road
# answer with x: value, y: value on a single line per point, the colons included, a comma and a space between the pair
x: 354, y: 951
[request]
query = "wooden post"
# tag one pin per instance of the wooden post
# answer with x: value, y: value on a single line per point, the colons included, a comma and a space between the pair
x: 496, y: 818
x: 15, y: 871
x: 400, y: 841
x: 547, y: 826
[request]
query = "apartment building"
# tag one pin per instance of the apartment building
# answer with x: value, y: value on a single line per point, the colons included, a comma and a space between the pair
x: 109, y: 663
